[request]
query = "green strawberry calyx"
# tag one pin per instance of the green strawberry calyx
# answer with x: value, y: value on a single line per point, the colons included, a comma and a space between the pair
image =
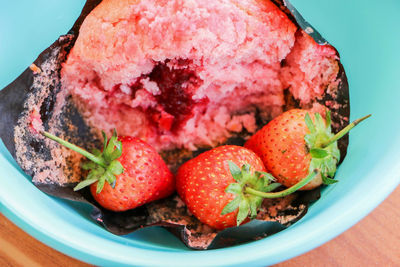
x: 322, y: 145
x: 251, y: 188
x: 103, y: 165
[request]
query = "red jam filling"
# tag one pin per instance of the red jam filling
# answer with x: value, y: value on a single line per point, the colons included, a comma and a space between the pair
x: 177, y: 86
x: 175, y: 102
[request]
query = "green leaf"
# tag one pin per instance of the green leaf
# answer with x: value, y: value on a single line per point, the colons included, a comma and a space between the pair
x: 266, y: 175
x: 310, y: 140
x: 100, y: 184
x: 259, y: 182
x: 257, y: 203
x: 88, y: 165
x: 318, y: 153
x: 271, y: 187
x: 117, y: 151
x: 319, y: 122
x: 85, y: 183
x: 253, y: 209
x: 235, y: 171
x: 246, y: 168
x: 95, y: 173
x: 105, y: 140
x: 334, y: 151
x: 109, y: 177
x: 328, y: 119
x: 115, y: 167
x: 110, y: 148
x: 247, y: 177
x: 234, y: 188
x: 243, y: 211
x: 232, y: 206
x: 96, y: 152
x: 309, y: 123
x: 328, y: 181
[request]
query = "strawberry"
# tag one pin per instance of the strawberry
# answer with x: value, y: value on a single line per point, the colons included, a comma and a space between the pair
x: 126, y: 174
x: 201, y: 183
x: 222, y: 195
x: 295, y: 144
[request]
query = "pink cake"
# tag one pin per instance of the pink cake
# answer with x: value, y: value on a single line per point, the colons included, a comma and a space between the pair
x: 184, y: 74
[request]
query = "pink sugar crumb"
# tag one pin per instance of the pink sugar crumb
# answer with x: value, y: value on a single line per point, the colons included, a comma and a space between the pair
x: 188, y: 74
x: 238, y: 123
x: 310, y: 68
x: 36, y: 124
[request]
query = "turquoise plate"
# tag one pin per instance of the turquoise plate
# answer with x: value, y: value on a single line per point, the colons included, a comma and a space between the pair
x: 368, y: 40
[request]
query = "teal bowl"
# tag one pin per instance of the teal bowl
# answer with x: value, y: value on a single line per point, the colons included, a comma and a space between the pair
x: 367, y: 37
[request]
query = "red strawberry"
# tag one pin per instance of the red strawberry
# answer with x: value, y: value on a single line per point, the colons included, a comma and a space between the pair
x: 146, y: 179
x: 135, y: 173
x: 201, y: 183
x: 221, y: 194
x: 295, y: 144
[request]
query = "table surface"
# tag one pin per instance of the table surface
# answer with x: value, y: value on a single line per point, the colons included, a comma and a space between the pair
x: 375, y: 241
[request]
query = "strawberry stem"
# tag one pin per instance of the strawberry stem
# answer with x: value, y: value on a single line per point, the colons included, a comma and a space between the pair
x: 344, y: 131
x: 83, y: 152
x: 285, y: 192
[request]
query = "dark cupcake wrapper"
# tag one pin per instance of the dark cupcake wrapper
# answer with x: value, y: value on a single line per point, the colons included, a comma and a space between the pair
x: 40, y: 91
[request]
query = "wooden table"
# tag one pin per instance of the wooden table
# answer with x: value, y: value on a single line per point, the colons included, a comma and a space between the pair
x: 375, y: 241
